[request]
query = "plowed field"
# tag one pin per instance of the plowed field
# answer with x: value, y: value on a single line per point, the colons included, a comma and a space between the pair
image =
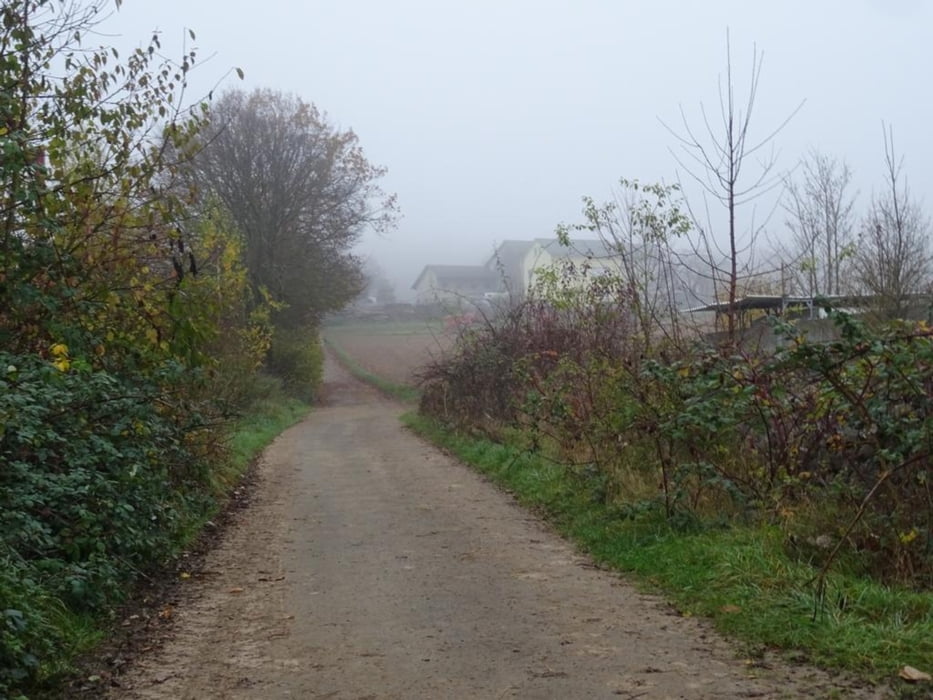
x: 392, y: 351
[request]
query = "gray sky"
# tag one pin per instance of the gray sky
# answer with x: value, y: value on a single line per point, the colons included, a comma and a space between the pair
x: 495, y: 116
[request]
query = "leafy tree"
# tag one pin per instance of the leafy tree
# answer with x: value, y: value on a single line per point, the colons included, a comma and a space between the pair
x: 637, y: 231
x: 110, y: 325
x: 87, y: 232
x: 301, y: 192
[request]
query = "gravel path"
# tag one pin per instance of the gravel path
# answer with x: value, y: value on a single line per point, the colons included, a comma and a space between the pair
x: 371, y: 565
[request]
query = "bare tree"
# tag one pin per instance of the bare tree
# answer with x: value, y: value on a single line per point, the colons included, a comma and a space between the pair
x: 819, y: 216
x: 893, y: 259
x: 716, y: 158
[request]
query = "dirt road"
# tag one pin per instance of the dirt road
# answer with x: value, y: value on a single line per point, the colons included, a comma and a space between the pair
x: 372, y: 566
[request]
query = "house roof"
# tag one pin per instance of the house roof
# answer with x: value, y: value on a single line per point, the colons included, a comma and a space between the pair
x: 453, y: 275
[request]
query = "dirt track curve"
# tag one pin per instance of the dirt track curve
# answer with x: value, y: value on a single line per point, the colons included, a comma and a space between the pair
x: 370, y: 565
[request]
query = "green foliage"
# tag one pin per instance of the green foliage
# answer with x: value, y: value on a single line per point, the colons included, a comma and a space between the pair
x: 129, y: 332
x: 25, y: 638
x: 94, y: 484
x: 868, y: 427
x: 741, y: 576
x: 829, y: 441
x: 296, y: 356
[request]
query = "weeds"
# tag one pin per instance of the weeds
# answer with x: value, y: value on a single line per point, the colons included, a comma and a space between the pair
x: 741, y: 577
x: 827, y: 441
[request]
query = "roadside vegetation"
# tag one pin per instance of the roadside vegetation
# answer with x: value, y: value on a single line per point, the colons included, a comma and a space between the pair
x: 784, y: 491
x: 782, y: 487
x: 147, y: 352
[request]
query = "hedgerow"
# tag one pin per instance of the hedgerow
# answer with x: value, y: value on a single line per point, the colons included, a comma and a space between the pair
x: 130, y: 334
x: 95, y: 485
x: 832, y: 441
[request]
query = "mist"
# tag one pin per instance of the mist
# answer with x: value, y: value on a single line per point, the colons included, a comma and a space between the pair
x: 494, y: 119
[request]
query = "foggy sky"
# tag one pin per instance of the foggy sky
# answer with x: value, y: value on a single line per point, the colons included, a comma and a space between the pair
x: 494, y: 117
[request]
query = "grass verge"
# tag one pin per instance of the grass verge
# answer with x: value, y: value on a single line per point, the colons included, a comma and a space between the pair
x: 401, y: 392
x: 253, y: 433
x: 740, y: 577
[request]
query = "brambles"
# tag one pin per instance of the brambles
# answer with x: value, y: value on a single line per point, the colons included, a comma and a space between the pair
x: 832, y: 441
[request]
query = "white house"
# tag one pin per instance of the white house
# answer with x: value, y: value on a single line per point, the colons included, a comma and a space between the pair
x: 511, y: 271
x: 453, y: 285
x: 517, y: 263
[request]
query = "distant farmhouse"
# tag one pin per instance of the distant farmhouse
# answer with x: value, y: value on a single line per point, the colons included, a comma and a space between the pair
x: 511, y: 271
x: 453, y: 284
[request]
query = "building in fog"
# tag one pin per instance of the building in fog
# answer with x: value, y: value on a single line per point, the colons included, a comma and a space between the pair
x: 510, y: 272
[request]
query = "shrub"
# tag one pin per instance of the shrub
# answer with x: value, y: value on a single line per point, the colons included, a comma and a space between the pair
x: 95, y: 483
x: 831, y: 440
x: 296, y: 356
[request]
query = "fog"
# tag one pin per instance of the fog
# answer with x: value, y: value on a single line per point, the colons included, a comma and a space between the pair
x: 495, y: 117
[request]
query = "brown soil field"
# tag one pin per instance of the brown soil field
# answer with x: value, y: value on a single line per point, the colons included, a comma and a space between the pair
x: 392, y: 351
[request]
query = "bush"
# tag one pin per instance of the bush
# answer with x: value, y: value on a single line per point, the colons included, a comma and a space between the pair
x: 296, y: 356
x: 25, y: 637
x: 96, y: 482
x: 831, y: 440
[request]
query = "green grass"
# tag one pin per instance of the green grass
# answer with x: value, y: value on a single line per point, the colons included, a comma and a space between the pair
x: 75, y: 633
x: 740, y: 577
x: 401, y: 392
x: 255, y: 430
